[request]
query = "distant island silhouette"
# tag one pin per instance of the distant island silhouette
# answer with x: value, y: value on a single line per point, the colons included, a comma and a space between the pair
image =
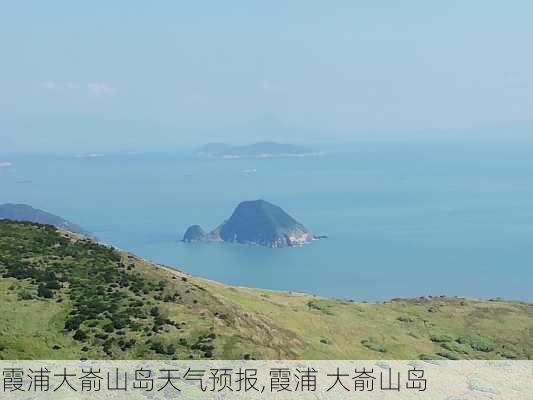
x: 255, y: 150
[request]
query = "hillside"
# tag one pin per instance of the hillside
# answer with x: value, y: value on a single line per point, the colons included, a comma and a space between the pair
x: 63, y: 296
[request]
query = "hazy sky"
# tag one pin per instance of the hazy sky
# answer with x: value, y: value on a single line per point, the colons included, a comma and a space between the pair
x: 162, y: 72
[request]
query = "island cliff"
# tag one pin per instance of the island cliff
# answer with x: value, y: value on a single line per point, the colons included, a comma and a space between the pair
x: 256, y: 222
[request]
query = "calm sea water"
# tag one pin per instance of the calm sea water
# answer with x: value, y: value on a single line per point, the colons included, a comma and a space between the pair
x: 404, y: 219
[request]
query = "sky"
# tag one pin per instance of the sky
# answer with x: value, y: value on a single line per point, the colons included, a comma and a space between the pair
x: 134, y: 75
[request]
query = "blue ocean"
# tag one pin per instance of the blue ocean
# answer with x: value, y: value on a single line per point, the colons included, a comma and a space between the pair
x: 403, y: 219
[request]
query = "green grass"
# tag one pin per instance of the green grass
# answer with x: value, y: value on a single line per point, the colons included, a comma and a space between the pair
x: 128, y: 308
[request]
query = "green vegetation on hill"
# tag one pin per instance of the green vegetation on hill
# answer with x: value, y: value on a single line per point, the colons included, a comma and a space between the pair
x: 63, y: 296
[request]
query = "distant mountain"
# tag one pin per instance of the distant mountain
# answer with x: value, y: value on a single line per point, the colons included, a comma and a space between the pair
x: 256, y: 222
x: 214, y: 149
x: 256, y: 150
x: 24, y: 212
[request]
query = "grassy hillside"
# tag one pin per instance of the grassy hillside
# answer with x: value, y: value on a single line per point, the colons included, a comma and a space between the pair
x: 65, y: 297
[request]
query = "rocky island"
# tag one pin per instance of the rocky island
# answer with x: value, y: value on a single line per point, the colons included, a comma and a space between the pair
x: 256, y: 222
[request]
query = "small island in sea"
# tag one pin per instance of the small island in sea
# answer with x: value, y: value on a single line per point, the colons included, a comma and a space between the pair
x: 255, y: 150
x: 255, y: 222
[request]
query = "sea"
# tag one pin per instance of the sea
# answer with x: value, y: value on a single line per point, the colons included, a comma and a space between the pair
x: 404, y: 218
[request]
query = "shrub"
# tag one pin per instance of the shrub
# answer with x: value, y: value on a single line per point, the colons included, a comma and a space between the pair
x: 441, y: 338
x: 120, y: 323
x: 53, y: 285
x: 101, y: 336
x: 373, y: 344
x: 25, y: 295
x: 477, y: 342
x: 448, y: 355
x: 93, y: 323
x: 80, y: 335
x: 157, y: 347
x: 318, y: 306
x: 168, y: 298
x: 44, y: 292
x: 406, y: 318
x: 171, y: 349
x: 73, y: 323
x: 456, y: 347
